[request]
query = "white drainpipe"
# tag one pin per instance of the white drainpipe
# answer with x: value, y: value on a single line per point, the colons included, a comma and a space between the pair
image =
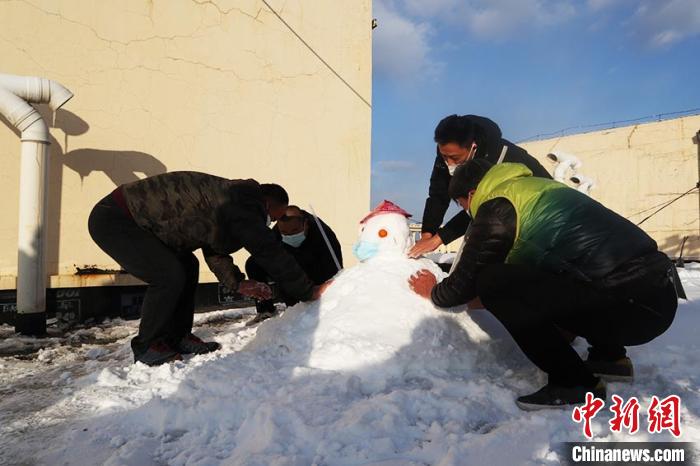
x: 583, y: 183
x: 564, y: 162
x: 15, y: 93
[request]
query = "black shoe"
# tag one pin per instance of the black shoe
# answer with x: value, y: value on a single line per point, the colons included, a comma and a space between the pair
x: 158, y: 353
x: 620, y: 370
x: 192, y: 344
x: 265, y: 306
x: 265, y: 309
x: 554, y: 396
x: 259, y: 317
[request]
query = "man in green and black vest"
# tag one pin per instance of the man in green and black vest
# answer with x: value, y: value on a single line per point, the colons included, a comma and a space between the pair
x: 542, y: 257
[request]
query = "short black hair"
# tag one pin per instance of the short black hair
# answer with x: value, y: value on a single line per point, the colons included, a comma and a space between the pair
x: 274, y: 193
x: 293, y: 213
x: 457, y: 129
x: 467, y: 177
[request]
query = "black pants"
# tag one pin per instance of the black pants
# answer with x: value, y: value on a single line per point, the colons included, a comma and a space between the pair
x: 531, y: 304
x: 168, y: 307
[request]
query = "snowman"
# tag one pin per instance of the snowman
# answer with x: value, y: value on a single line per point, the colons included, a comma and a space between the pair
x: 384, y: 233
x: 369, y: 323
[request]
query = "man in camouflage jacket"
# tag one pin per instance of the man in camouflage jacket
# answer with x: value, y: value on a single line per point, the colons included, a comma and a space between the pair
x: 152, y: 226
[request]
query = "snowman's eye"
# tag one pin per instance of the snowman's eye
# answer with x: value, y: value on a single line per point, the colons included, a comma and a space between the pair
x: 382, y: 233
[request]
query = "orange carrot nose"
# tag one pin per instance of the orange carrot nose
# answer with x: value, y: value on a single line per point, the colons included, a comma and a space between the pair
x: 382, y: 233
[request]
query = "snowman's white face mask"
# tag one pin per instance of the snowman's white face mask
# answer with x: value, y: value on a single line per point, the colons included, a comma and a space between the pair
x: 383, y: 235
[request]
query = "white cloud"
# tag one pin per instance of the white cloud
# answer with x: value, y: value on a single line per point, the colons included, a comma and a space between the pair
x: 401, y: 48
x: 500, y: 19
x: 432, y: 8
x: 657, y: 23
x: 663, y: 23
x: 402, y: 44
x: 395, y: 165
x: 597, y: 5
x: 494, y: 19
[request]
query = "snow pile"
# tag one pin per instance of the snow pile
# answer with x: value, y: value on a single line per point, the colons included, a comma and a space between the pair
x: 369, y: 375
x: 419, y: 394
x: 369, y: 319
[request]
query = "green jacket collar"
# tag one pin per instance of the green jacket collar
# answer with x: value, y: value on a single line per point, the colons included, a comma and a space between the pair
x: 495, y: 176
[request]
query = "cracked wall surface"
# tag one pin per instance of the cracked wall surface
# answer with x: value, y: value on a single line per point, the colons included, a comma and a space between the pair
x: 218, y: 86
x: 637, y: 169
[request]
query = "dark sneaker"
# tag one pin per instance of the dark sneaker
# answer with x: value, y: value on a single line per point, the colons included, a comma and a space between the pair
x: 158, y: 353
x: 620, y: 370
x: 554, y: 396
x: 194, y: 345
x: 260, y: 316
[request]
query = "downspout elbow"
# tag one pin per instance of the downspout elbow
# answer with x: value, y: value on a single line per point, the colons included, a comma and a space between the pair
x: 24, y: 117
x: 36, y: 132
x: 59, y: 95
x: 583, y: 183
x: 36, y: 90
x: 564, y: 162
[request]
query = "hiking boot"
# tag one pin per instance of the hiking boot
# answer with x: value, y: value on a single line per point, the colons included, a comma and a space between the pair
x: 158, y: 353
x: 555, y: 396
x: 620, y: 370
x: 192, y: 344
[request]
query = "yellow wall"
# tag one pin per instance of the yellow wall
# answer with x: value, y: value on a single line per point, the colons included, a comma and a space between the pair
x: 638, y: 167
x: 222, y: 87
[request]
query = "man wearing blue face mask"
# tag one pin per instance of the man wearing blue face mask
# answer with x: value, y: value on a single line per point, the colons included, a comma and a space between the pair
x: 302, y: 239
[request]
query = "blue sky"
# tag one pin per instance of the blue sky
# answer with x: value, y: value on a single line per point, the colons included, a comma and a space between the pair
x: 533, y: 66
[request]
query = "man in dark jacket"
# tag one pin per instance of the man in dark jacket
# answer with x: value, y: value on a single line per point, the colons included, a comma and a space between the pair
x: 150, y: 227
x: 543, y: 256
x: 300, y: 237
x: 461, y: 138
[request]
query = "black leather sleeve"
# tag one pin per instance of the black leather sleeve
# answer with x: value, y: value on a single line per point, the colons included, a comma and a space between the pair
x: 455, y: 228
x: 489, y: 241
x: 438, y: 199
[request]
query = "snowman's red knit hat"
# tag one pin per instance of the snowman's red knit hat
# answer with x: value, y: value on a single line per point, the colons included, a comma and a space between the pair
x: 386, y: 207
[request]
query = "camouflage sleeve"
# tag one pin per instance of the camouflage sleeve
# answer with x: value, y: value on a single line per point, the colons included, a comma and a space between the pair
x: 223, y: 267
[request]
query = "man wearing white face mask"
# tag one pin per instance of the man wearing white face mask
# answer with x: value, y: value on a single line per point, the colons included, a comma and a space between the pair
x: 462, y: 138
x: 302, y: 239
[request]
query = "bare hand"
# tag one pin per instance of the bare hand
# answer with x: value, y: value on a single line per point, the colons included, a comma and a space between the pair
x: 422, y: 282
x: 320, y: 289
x: 255, y: 289
x: 425, y: 245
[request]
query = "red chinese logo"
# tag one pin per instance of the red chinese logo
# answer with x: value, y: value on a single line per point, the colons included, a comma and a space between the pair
x: 626, y: 415
x: 587, y: 412
x: 662, y: 414
x: 665, y: 415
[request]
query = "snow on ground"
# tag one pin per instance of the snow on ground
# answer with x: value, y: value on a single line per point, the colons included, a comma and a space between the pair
x: 317, y: 386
